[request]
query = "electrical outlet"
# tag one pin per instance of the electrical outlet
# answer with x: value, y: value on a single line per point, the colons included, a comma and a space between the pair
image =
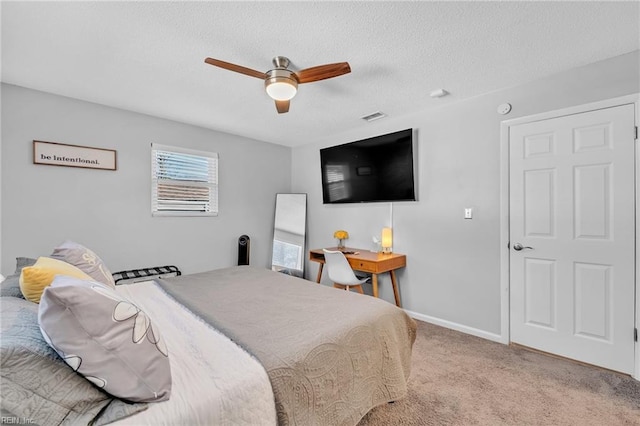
x: 468, y: 213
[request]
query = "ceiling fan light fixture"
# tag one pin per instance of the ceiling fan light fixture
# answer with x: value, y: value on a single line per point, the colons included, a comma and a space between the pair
x: 281, y: 85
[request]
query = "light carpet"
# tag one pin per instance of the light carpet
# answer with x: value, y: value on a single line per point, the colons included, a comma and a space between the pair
x: 459, y: 379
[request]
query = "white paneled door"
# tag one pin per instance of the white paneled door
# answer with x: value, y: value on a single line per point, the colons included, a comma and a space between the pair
x: 572, y: 232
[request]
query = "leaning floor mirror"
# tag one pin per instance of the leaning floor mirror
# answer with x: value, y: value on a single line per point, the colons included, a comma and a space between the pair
x: 289, y: 232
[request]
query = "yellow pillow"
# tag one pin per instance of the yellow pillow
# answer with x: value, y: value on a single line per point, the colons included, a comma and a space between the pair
x: 34, y: 279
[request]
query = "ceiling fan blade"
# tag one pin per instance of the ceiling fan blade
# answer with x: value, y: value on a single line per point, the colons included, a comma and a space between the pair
x: 282, y: 106
x: 322, y: 72
x: 233, y: 67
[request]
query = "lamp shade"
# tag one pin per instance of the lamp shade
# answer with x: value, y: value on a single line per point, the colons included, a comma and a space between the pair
x: 387, y: 240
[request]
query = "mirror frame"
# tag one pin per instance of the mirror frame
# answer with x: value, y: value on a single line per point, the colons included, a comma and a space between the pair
x: 288, y: 250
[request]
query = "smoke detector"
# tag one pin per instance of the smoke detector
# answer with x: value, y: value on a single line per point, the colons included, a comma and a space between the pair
x: 438, y: 93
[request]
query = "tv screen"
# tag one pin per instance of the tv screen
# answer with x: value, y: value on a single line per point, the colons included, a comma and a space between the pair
x: 369, y: 170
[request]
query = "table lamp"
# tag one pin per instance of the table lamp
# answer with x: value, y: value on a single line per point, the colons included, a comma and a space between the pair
x: 387, y: 240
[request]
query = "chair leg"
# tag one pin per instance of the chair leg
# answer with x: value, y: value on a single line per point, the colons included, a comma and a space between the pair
x: 358, y: 288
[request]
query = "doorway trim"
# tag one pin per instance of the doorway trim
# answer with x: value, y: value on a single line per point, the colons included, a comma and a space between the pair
x: 504, y: 206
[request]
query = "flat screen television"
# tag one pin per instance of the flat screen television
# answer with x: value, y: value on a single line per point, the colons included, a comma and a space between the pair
x: 370, y: 170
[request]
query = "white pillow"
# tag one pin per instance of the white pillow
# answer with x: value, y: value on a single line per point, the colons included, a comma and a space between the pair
x: 106, y: 338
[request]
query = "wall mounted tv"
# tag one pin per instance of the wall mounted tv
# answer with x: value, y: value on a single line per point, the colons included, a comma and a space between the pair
x: 370, y: 170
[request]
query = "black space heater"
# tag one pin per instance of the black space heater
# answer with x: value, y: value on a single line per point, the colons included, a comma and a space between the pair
x: 244, y: 244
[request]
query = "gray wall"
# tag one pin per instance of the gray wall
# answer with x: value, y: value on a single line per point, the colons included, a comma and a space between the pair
x: 110, y: 211
x: 453, y: 265
x: 453, y: 272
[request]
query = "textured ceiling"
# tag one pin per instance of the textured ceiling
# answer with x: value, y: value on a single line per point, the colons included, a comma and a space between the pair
x: 148, y: 57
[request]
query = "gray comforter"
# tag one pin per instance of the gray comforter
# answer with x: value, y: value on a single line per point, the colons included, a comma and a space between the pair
x: 331, y: 355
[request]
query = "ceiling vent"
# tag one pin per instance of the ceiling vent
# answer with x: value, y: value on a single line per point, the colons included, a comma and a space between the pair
x: 375, y: 116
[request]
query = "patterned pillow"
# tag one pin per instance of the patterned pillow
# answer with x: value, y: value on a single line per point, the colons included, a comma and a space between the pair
x: 10, y: 287
x: 38, y: 385
x: 33, y: 279
x: 85, y: 260
x: 105, y: 338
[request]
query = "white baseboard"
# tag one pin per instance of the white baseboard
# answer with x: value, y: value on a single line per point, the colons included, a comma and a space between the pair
x: 458, y: 327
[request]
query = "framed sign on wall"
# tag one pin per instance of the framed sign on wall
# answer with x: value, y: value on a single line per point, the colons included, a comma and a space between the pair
x: 60, y: 154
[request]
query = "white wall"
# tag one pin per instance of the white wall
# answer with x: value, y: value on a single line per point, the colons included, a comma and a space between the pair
x: 453, y: 265
x: 110, y: 211
x: 1, y: 185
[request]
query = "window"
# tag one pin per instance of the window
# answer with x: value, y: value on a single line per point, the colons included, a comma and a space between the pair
x: 287, y: 255
x: 184, y: 182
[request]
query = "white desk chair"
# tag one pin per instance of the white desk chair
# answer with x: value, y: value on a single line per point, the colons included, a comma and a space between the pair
x: 340, y: 271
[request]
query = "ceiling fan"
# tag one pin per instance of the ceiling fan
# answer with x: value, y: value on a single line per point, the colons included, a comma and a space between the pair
x: 280, y: 82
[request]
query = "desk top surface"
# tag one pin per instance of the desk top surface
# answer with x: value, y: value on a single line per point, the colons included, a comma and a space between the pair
x: 356, y: 253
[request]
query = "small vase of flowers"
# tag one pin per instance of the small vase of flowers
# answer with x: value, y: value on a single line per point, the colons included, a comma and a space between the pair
x: 341, y: 235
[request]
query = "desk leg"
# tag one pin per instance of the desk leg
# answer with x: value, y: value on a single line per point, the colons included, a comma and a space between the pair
x: 374, y: 282
x: 394, y: 282
x: 319, y: 273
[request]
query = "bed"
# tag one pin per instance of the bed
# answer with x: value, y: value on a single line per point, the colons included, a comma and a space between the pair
x: 247, y: 346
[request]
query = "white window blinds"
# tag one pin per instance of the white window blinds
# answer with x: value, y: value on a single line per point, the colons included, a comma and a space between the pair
x: 184, y: 182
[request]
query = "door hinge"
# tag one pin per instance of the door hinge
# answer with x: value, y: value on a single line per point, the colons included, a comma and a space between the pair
x: 636, y: 132
x: 635, y: 334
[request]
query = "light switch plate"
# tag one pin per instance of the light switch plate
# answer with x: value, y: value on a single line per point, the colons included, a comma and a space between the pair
x: 468, y: 213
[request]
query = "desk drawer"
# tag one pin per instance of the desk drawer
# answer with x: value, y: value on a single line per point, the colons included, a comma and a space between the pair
x: 363, y: 265
x: 377, y: 266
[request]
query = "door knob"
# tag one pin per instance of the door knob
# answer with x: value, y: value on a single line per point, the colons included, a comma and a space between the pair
x: 518, y: 247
